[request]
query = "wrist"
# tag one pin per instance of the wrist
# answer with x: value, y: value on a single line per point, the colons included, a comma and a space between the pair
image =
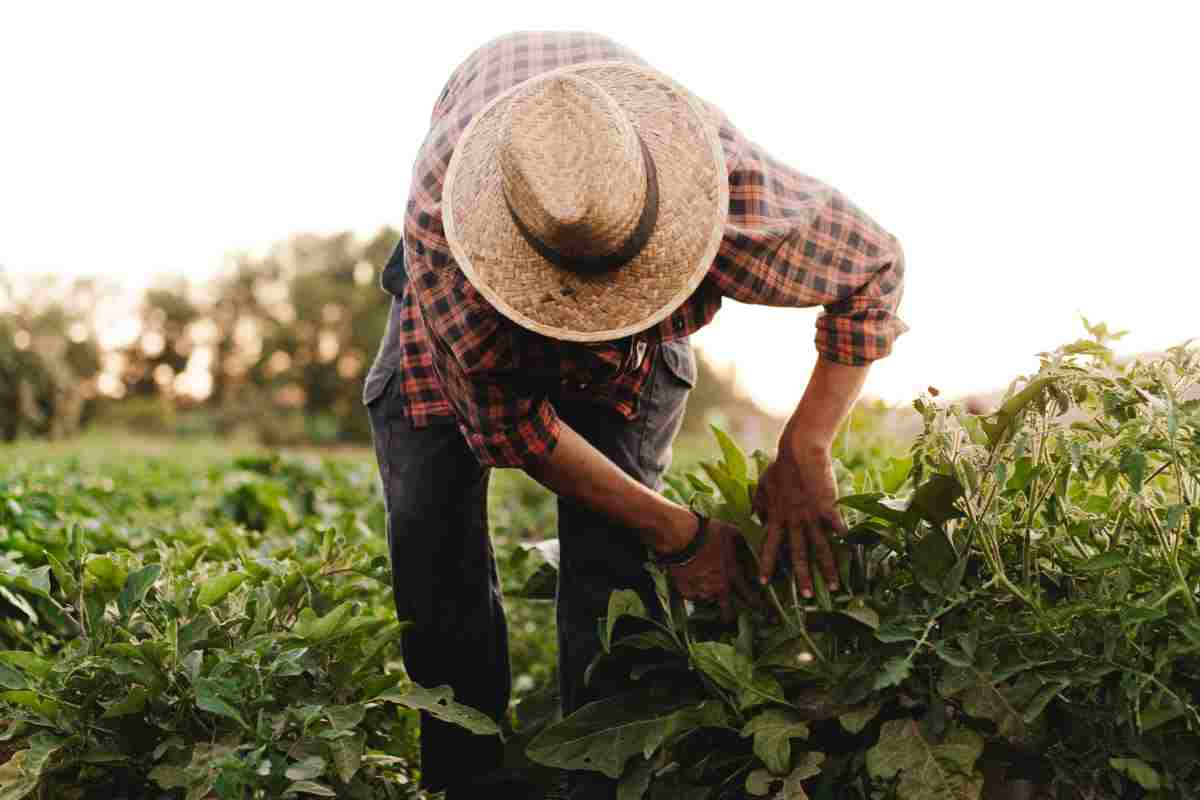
x: 804, y: 444
x: 676, y: 527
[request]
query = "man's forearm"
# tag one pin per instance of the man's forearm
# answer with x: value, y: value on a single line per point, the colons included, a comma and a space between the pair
x: 832, y: 391
x: 578, y: 471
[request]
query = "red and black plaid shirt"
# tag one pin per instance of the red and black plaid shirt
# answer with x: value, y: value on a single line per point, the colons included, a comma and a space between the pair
x: 790, y: 240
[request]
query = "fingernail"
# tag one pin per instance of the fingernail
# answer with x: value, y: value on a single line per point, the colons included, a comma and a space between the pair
x: 833, y: 587
x: 807, y: 593
x: 762, y: 580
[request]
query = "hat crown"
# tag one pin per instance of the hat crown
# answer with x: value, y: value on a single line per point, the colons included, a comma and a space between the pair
x: 572, y: 166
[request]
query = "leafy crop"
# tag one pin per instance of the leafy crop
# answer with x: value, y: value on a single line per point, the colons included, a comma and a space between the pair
x: 231, y: 637
x: 1018, y: 613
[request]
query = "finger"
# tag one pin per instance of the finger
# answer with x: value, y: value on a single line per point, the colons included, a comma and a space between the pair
x: 819, y: 537
x: 737, y: 579
x: 800, y: 559
x: 759, y: 502
x: 839, y: 524
x: 770, y: 551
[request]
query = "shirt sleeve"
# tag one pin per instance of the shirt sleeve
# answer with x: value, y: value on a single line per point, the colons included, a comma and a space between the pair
x: 507, y: 421
x: 792, y: 240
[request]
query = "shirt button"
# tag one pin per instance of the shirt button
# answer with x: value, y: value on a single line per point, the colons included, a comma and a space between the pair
x: 582, y: 386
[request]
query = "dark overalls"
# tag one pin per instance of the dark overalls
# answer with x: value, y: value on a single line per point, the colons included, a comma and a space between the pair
x: 443, y: 567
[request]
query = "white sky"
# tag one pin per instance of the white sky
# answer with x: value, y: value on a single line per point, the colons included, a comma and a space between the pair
x: 1036, y: 159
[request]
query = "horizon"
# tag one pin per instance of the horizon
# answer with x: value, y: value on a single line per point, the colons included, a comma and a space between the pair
x: 1036, y: 164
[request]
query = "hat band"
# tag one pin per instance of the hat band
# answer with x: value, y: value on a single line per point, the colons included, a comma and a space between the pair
x: 598, y: 265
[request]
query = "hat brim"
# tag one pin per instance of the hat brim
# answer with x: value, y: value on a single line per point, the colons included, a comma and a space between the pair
x: 693, y: 203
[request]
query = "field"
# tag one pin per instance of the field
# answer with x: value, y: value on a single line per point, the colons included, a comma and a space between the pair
x: 1018, y: 617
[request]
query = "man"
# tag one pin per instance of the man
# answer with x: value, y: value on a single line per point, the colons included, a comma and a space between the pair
x: 573, y: 217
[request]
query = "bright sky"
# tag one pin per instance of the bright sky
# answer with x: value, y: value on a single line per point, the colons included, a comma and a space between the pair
x: 1036, y: 159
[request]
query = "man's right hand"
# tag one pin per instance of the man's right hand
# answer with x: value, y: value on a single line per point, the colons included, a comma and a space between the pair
x: 716, y: 571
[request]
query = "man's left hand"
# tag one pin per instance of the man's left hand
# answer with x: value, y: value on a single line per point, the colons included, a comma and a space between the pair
x: 797, y: 500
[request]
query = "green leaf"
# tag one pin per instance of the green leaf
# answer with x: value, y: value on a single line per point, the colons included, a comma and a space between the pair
x: 136, y: 586
x: 321, y: 629
x: 1136, y: 615
x: 893, y: 673
x: 29, y: 663
x: 1138, y: 771
x: 1133, y: 467
x: 635, y: 780
x: 773, y: 731
x: 1156, y: 717
x: 622, y: 603
x: 856, y: 720
x: 809, y: 767
x: 171, y: 777
x: 934, y: 500
x: 928, y: 770
x: 216, y: 589
x: 879, y: 505
x: 44, y: 707
x: 209, y: 698
x: 734, y: 458
x: 759, y: 782
x: 310, y: 787
x: 133, y: 702
x: 603, y: 735
x: 305, y: 769
x: 347, y: 752
x: 933, y: 558
x: 733, y: 671
x: 107, y: 574
x: 735, y: 494
x: 439, y: 702
x: 1104, y: 561
x: 22, y: 773
x: 998, y: 425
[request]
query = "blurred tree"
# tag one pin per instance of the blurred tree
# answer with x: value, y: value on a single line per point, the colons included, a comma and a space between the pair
x: 162, y: 349
x: 49, y: 355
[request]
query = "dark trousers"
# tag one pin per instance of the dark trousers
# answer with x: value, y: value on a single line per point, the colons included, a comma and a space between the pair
x: 444, y: 569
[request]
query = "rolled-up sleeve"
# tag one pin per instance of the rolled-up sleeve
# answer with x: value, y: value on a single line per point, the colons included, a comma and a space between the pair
x: 792, y: 240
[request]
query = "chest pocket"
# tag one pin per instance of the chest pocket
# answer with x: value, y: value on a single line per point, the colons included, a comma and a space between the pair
x: 680, y: 360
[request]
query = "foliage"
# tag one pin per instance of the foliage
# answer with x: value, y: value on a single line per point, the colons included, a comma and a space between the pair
x: 1018, y: 604
x: 225, y: 635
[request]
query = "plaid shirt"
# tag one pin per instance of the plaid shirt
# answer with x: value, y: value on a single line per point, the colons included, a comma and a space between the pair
x: 790, y: 240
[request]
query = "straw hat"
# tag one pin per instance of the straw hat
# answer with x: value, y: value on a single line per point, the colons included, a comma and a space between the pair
x: 587, y: 203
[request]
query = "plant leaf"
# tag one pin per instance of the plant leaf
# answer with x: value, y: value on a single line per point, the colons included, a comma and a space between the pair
x: 773, y: 730
x: 216, y: 589
x: 636, y: 780
x: 927, y: 770
x: 933, y: 559
x: 733, y: 671
x: 622, y: 603
x: 22, y: 773
x: 136, y: 586
x: 603, y: 735
x: 439, y: 702
x: 934, y: 500
x: 734, y: 458
x: 1138, y: 771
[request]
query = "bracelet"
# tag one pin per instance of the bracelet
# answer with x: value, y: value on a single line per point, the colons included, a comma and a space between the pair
x: 688, y: 554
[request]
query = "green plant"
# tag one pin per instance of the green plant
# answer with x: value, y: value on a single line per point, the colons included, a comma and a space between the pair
x: 228, y: 637
x: 1018, y: 609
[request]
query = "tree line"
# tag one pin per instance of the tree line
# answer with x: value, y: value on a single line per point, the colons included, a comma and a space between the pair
x: 274, y: 348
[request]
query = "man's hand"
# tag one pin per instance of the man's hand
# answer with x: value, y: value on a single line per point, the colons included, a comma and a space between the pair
x: 796, y: 499
x: 715, y: 571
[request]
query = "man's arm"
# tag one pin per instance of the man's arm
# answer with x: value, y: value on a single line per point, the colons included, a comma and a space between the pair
x: 577, y: 470
x: 797, y: 496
